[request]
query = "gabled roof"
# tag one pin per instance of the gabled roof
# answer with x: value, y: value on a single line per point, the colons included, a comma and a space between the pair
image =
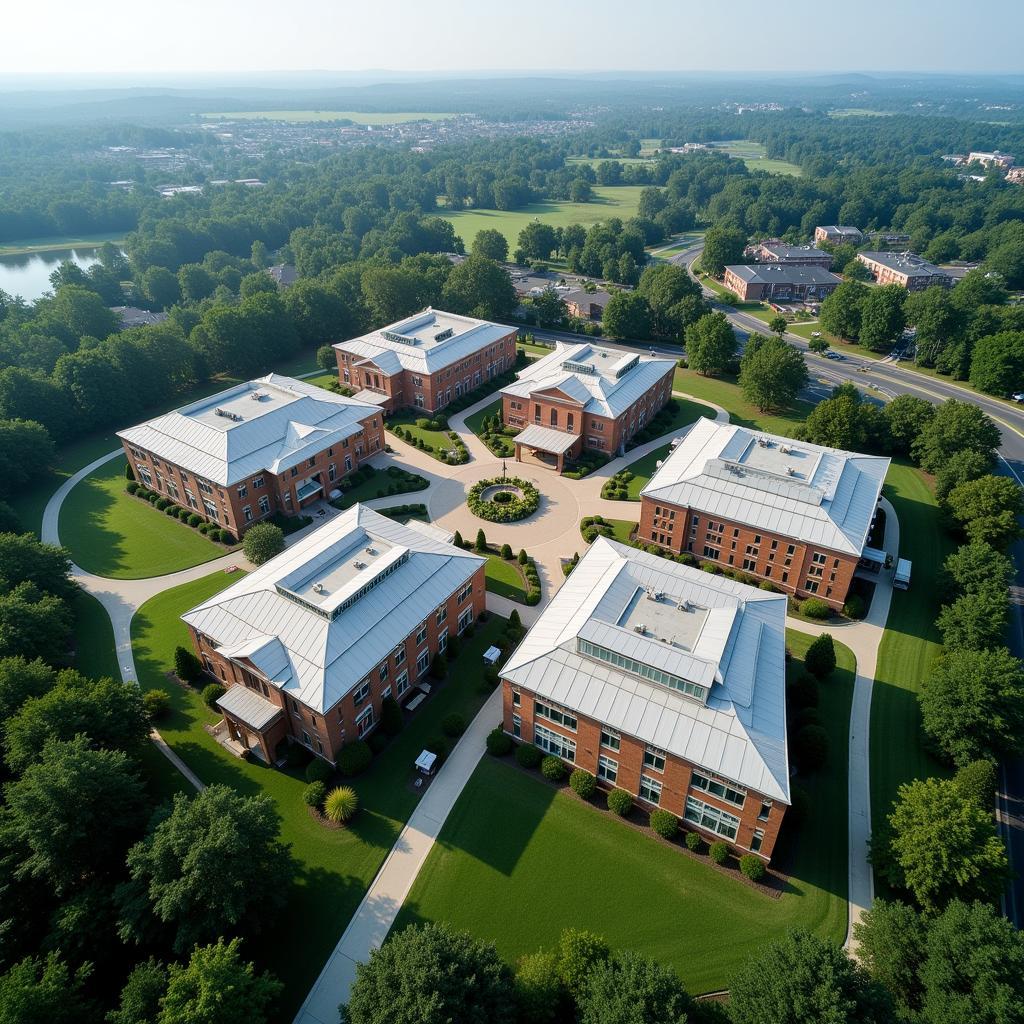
x: 604, y: 381
x: 318, y: 618
x: 271, y: 424
x: 782, y: 273
x: 426, y: 342
x: 705, y: 629
x: 822, y: 496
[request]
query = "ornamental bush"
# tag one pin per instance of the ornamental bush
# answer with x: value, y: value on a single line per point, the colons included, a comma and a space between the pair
x: 583, y: 783
x: 156, y: 703
x: 212, y: 692
x: 187, y: 667
x: 355, y: 757
x: 341, y: 804
x: 506, y: 552
x: 318, y: 770
x: 391, y: 720
x: 313, y: 795
x: 194, y: 519
x: 498, y: 743
x: 552, y: 768
x: 262, y: 542
x: 815, y: 608
x: 665, y: 823
x: 694, y: 842
x: 620, y: 802
x: 752, y: 866
x: 820, y: 659
x: 528, y: 755
x: 453, y: 725
x: 855, y: 608
x: 811, y: 748
x: 505, y: 510
x: 132, y: 486
x: 719, y: 851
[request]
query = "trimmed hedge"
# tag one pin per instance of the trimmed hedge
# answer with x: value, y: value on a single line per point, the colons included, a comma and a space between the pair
x: 156, y: 703
x: 318, y: 771
x: 583, y: 783
x: 665, y: 823
x: 620, y: 802
x: 815, y: 608
x: 499, y: 743
x: 313, y: 795
x: 752, y: 866
x: 528, y: 755
x: 719, y: 851
x: 552, y: 768
x: 694, y: 841
x: 212, y: 692
x: 453, y: 725
x: 510, y: 512
x: 355, y: 757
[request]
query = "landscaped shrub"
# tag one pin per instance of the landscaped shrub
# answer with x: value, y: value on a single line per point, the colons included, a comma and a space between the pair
x: 451, y: 651
x: 503, y: 497
x: 391, y: 720
x: 439, y: 746
x: 313, y: 795
x: 439, y: 666
x: 378, y: 741
x: 226, y: 536
x: 162, y: 503
x: 810, y: 748
x: 815, y: 608
x: 752, y: 866
x: 528, y: 755
x: 498, y: 743
x: 453, y: 725
x: 506, y: 510
x: 204, y: 528
x: 355, y: 757
x: 665, y: 823
x: 132, y: 486
x: 481, y: 541
x: 156, y: 703
x: 153, y: 497
x: 458, y: 541
x: 802, y: 692
x: 212, y: 692
x: 341, y: 804
x: 620, y: 802
x: 171, y: 510
x: 820, y: 659
x: 583, y: 783
x: 552, y: 768
x: 318, y: 770
x: 506, y: 552
x: 719, y: 851
x: 262, y: 542
x: 522, y: 557
x: 855, y: 607
x: 694, y: 842
x: 187, y: 667
x: 194, y: 519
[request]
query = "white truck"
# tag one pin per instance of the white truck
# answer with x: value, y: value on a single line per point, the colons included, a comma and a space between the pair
x: 901, y: 577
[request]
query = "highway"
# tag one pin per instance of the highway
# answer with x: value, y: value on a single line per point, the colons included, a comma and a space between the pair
x: 884, y: 380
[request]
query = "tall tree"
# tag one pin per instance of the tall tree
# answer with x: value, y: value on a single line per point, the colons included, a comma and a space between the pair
x: 491, y: 243
x: 956, y: 426
x: 480, y: 287
x: 772, y: 373
x: 997, y: 363
x: 881, y: 317
x: 26, y: 453
x: 710, y: 344
x: 627, y: 315
x: 722, y: 247
x: 988, y: 508
x: 841, y: 311
x: 907, y: 416
x: 634, y: 988
x: 35, y: 990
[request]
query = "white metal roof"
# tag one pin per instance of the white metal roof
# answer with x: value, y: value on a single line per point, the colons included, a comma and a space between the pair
x: 318, y: 618
x: 546, y: 439
x: 426, y: 342
x: 735, y: 643
x: 604, y: 381
x: 272, y: 424
x: 822, y: 496
x: 249, y: 707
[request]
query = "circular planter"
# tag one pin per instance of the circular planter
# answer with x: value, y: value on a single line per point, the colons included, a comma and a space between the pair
x: 522, y: 501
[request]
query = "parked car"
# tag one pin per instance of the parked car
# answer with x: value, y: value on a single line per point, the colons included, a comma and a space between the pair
x: 1018, y: 397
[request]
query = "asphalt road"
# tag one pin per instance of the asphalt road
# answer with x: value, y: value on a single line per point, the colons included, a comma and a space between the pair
x: 885, y: 380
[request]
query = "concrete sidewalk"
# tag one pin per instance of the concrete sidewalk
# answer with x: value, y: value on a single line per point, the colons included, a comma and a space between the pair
x: 374, y: 917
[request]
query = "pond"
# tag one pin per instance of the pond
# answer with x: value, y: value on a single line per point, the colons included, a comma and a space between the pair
x: 28, y: 274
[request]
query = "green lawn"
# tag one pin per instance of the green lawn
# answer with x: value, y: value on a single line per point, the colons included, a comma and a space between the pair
x: 321, y: 380
x: 475, y: 423
x: 725, y: 392
x: 504, y: 578
x: 335, y: 867
x: 909, y: 645
x: 382, y: 480
x: 643, y: 469
x: 621, y: 201
x: 622, y: 529
x: 24, y: 246
x: 754, y: 155
x: 437, y: 439
x: 111, y: 533
x: 358, y: 116
x: 95, y: 655
x: 516, y: 862
x: 534, y: 351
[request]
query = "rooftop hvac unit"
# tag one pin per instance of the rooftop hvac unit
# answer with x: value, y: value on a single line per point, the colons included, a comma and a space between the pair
x: 371, y: 551
x: 318, y: 588
x: 790, y: 471
x: 359, y: 565
x: 640, y: 628
x: 785, y: 449
x: 257, y: 396
x: 683, y: 606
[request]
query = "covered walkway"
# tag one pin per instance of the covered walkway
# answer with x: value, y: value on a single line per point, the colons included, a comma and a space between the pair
x: 557, y: 443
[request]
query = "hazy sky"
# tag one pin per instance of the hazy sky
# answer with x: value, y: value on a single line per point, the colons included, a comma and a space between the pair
x: 340, y: 35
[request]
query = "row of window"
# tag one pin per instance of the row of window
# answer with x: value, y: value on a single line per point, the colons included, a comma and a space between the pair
x: 644, y: 671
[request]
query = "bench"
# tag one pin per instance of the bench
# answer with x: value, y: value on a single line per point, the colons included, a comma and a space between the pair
x: 413, y: 703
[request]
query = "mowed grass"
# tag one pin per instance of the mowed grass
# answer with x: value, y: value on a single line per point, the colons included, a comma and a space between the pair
x: 724, y: 391
x: 504, y: 578
x: 111, y: 533
x: 909, y: 645
x: 518, y: 861
x: 334, y: 867
x: 95, y: 654
x: 438, y: 440
x: 622, y: 529
x: 755, y: 156
x: 621, y: 201
x: 358, y: 116
x: 25, y: 246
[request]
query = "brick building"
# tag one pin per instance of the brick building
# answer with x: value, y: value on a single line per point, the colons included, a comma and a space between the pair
x: 426, y: 360
x: 837, y: 234
x: 584, y: 398
x: 904, y: 268
x: 666, y: 682
x: 780, y: 282
x: 275, y: 444
x: 793, y: 513
x: 773, y: 251
x: 586, y: 305
x: 311, y: 643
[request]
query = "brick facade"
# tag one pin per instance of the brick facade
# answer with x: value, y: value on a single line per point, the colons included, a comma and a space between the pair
x: 793, y: 566
x: 239, y: 505
x: 430, y: 392
x: 325, y: 733
x: 756, y: 815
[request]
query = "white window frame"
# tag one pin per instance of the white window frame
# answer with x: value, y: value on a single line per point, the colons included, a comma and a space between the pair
x: 607, y: 768
x: 650, y: 790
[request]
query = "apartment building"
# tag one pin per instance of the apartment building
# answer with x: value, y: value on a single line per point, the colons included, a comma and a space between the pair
x: 584, y: 398
x: 667, y: 682
x: 274, y: 444
x: 793, y: 513
x: 312, y: 643
x: 774, y: 251
x: 426, y: 360
x: 780, y: 282
x: 837, y: 234
x: 905, y: 268
x: 994, y: 159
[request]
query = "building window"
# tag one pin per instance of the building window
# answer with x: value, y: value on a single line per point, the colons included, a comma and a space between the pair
x: 609, y: 738
x: 362, y: 693
x: 554, y: 744
x: 294, y: 471
x: 811, y: 586
x: 399, y: 655
x: 442, y: 642
x: 650, y: 789
x: 441, y: 615
x: 750, y: 564
x: 247, y: 513
x: 264, y: 504
x: 716, y: 787
x: 517, y: 698
x: 654, y: 758
x: 554, y: 714
x: 607, y: 769
x: 465, y: 619
x: 766, y: 809
x: 385, y: 693
x: 711, y: 818
x: 364, y: 722
x: 211, y: 510
x: 402, y: 683
x: 421, y: 633
x: 257, y: 482
x: 422, y: 662
x: 332, y: 471
x: 382, y: 672
x: 464, y: 593
x: 712, y: 552
x: 757, y: 840
x: 517, y: 726
x: 145, y: 475
x: 242, y: 490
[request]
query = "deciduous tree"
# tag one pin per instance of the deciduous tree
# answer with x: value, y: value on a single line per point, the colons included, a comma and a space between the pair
x: 988, y: 509
x: 771, y: 373
x: 955, y: 427
x: 710, y: 344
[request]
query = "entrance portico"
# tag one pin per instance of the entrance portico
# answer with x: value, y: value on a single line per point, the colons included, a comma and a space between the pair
x: 558, y: 445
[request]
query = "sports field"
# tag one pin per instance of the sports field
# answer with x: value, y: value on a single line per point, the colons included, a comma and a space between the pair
x: 359, y: 116
x: 754, y: 155
x: 609, y: 201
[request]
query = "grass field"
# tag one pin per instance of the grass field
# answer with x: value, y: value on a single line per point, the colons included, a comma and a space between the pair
x: 95, y: 654
x: 437, y: 439
x: 535, y: 351
x: 517, y: 861
x: 358, y: 116
x: 724, y: 391
x: 909, y: 645
x: 111, y: 533
x: 622, y: 529
x: 381, y: 480
x: 334, y: 867
x: 754, y: 155
x: 26, y: 246
x: 504, y: 578
x: 612, y: 201
x: 475, y: 423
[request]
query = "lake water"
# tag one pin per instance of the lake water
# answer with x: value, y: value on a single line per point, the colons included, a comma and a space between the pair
x: 28, y: 275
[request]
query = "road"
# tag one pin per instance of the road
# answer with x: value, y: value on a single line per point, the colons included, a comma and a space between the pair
x: 885, y: 380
